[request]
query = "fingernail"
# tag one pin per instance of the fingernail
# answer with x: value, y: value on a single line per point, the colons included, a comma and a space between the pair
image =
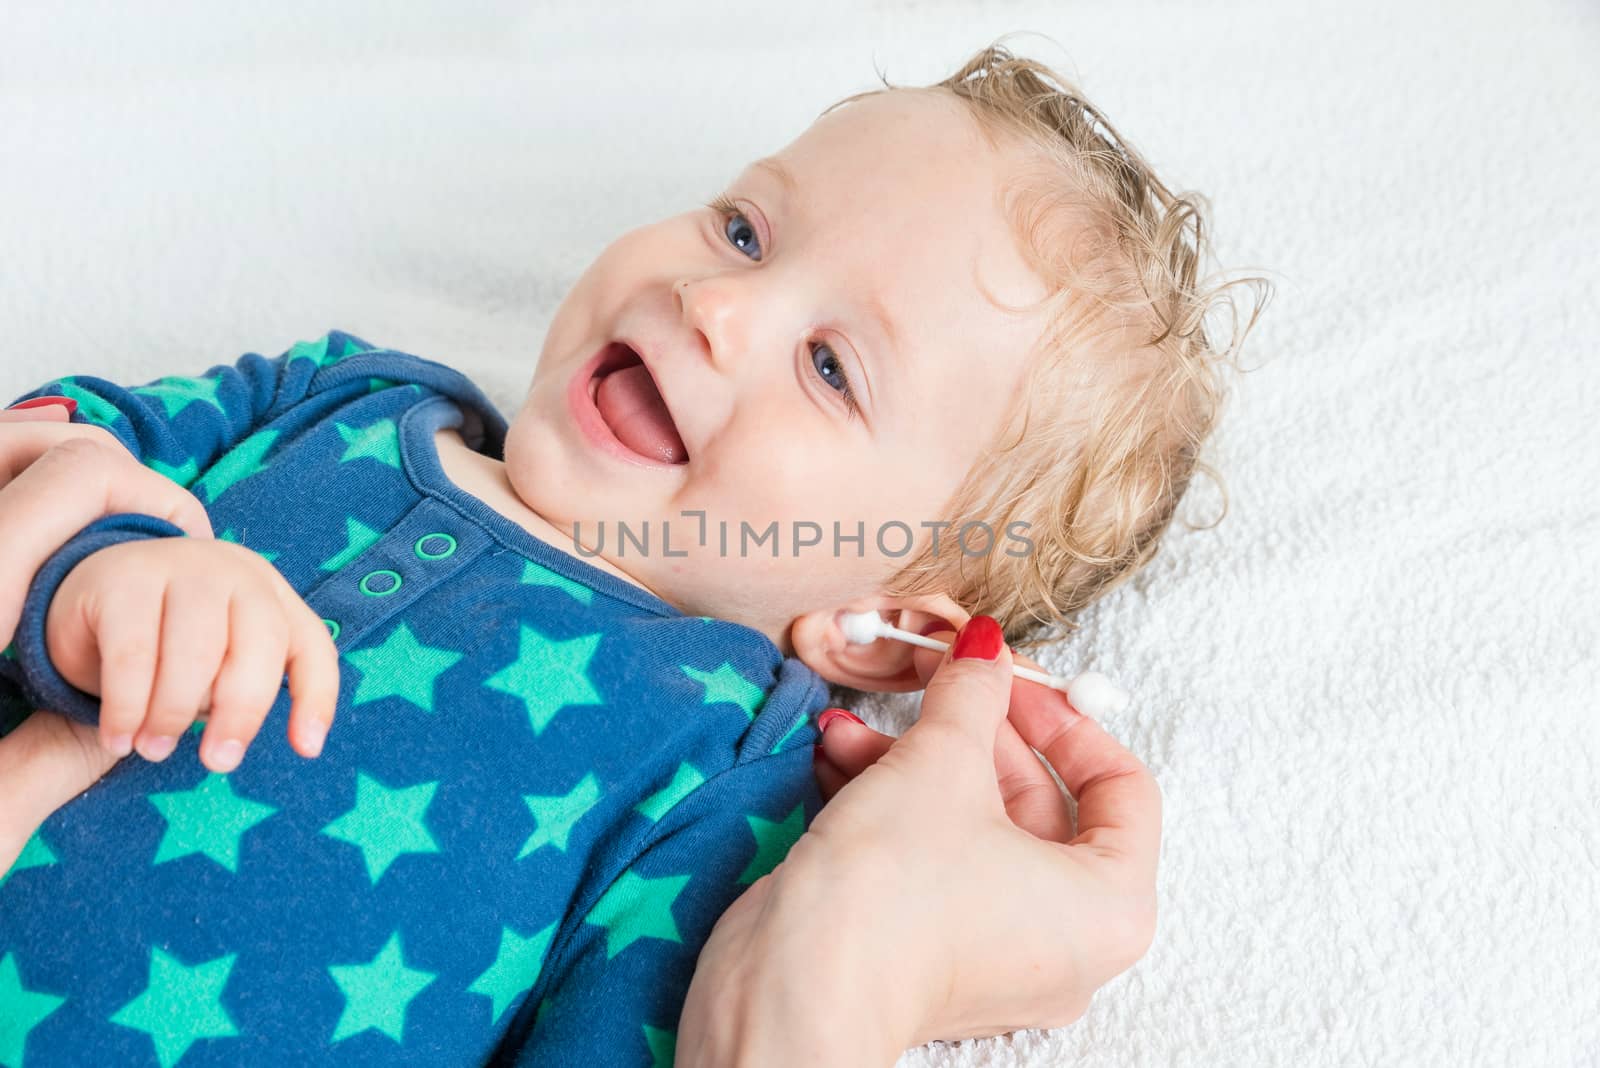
x: 832, y: 714
x: 225, y: 755
x: 313, y: 737
x: 935, y: 627
x: 120, y: 744
x: 39, y: 402
x: 980, y: 639
x: 158, y: 747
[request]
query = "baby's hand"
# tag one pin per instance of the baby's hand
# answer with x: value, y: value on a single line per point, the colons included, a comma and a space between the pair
x: 168, y: 628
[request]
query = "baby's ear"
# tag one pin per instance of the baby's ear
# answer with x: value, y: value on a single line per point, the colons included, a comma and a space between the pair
x: 884, y: 665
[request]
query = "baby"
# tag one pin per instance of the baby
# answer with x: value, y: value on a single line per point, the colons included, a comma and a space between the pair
x: 941, y: 355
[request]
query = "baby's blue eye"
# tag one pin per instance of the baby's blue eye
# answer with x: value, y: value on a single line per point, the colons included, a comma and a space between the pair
x: 742, y: 234
x: 829, y: 367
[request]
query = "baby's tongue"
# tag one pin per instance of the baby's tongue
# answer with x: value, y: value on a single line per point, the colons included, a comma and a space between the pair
x: 632, y: 406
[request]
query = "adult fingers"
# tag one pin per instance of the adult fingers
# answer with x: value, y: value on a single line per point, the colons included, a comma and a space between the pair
x: 830, y: 780
x: 67, y: 478
x: 967, y: 695
x: 849, y: 744
x: 249, y: 680
x: 41, y: 410
x: 1032, y: 799
x: 1031, y: 796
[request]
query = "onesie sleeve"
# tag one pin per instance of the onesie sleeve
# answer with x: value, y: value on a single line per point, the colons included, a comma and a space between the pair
x: 179, y: 427
x: 614, y: 983
x: 27, y: 671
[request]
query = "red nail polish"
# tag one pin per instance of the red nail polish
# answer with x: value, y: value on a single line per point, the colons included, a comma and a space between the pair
x: 980, y: 639
x: 39, y: 402
x: 831, y: 714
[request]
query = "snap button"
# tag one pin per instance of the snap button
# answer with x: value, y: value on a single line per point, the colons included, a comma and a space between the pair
x: 333, y: 628
x: 435, y: 546
x: 380, y: 583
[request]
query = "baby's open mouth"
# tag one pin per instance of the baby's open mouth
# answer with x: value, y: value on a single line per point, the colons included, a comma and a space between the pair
x: 631, y: 404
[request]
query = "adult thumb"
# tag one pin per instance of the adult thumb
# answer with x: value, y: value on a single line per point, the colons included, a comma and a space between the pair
x: 970, y: 691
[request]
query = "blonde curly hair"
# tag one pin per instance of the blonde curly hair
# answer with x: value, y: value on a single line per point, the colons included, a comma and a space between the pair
x: 1126, y: 384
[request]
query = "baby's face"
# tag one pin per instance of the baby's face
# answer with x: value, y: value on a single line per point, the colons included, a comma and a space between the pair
x: 825, y: 355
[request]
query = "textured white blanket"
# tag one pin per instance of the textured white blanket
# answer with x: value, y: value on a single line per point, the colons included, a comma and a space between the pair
x: 1369, y: 694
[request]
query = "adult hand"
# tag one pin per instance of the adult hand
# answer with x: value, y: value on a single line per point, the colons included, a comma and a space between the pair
x: 56, y: 477
x: 942, y: 892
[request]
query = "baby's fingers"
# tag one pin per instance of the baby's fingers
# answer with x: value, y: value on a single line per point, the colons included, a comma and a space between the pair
x: 249, y: 681
x: 313, y: 676
x: 127, y: 632
x: 194, y: 637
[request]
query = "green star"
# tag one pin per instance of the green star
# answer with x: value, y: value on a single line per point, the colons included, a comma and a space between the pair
x: 380, y: 441
x: 242, y: 461
x: 315, y: 351
x: 555, y: 815
x: 378, y: 385
x: 352, y: 347
x: 663, y: 1046
x: 182, y: 474
x: 181, y: 1005
x: 229, y: 535
x: 377, y: 994
x: 401, y: 667
x: 35, y: 854
x: 21, y: 1010
x: 683, y: 783
x: 534, y: 575
x: 358, y: 538
x: 726, y: 684
x: 636, y: 907
x: 91, y: 405
x: 799, y: 725
x: 548, y: 675
x: 386, y: 823
x: 515, y: 969
x: 773, y: 842
x: 209, y: 819
x: 176, y: 393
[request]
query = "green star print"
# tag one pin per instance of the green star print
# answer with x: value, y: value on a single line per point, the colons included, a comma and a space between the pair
x: 548, y: 675
x: 209, y: 819
x: 726, y: 684
x: 380, y: 441
x: 636, y: 907
x: 386, y: 823
x: 181, y: 1006
x: 555, y: 816
x: 401, y: 667
x: 21, y: 1010
x: 377, y: 994
x: 515, y: 969
x: 773, y: 842
x: 176, y: 393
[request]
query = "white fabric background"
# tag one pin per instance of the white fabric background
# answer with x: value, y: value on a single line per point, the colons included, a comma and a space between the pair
x: 1368, y: 694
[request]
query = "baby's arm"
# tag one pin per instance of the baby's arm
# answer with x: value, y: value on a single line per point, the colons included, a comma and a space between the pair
x: 163, y: 630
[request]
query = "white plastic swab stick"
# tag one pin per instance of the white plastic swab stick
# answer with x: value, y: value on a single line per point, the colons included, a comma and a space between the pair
x: 1090, y: 693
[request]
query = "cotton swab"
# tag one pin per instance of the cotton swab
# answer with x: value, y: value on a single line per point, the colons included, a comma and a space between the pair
x: 1090, y: 693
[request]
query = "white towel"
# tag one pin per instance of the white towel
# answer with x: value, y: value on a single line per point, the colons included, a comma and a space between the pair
x: 1368, y: 694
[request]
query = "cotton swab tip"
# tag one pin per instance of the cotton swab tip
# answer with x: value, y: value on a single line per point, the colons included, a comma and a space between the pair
x: 860, y: 628
x: 1096, y: 696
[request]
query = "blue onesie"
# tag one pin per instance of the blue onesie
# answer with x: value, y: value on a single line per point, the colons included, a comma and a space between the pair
x: 542, y: 787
